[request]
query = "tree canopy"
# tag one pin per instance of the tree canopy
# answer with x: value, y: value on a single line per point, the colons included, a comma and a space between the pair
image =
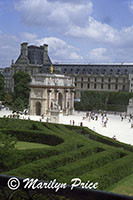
x: 104, y: 100
x: 21, y: 87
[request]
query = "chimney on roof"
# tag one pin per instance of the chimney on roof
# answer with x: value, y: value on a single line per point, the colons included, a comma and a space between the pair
x: 45, y: 54
x: 24, y: 49
x: 45, y: 48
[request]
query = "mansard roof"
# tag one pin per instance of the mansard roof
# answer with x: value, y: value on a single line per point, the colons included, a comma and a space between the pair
x: 99, y: 68
x: 33, y: 55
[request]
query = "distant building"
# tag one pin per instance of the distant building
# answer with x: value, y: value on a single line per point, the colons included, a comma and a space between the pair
x: 96, y: 77
x: 31, y: 60
x: 99, y: 77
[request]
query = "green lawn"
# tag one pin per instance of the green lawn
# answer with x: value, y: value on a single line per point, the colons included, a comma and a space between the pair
x: 125, y: 186
x: 30, y: 145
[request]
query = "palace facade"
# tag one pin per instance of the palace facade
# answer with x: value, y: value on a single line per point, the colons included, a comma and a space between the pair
x: 96, y: 77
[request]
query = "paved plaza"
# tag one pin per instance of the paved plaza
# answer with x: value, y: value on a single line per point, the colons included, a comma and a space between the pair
x: 121, y: 128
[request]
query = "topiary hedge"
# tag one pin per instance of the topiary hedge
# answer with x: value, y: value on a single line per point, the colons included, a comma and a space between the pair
x: 35, y: 136
x: 111, y: 173
x: 92, y: 162
x: 100, y: 138
x: 90, y: 158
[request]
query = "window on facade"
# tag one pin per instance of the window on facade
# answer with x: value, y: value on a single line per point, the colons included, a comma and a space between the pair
x: 123, y: 80
x: 95, y: 79
x: 109, y: 87
x: 81, y: 85
x: 102, y: 79
x: 116, y: 87
x: 88, y: 85
x: 88, y: 79
x: 82, y: 79
x: 123, y: 87
x: 90, y: 71
x: 95, y: 86
x: 109, y: 80
x: 101, y: 86
x: 116, y: 80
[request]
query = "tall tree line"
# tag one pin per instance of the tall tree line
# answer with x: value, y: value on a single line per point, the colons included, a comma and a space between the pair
x: 19, y: 99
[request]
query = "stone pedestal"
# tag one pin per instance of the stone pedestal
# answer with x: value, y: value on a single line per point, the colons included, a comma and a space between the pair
x: 55, y: 116
x: 71, y: 111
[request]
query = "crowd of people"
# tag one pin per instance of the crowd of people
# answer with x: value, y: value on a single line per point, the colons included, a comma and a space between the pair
x: 103, y: 117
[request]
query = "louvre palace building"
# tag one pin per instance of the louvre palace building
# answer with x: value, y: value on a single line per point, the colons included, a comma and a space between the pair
x: 97, y: 77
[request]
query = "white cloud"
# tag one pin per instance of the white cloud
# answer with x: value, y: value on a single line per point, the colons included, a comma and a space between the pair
x: 110, y: 55
x: 103, y: 34
x: 60, y: 50
x: 99, y: 55
x: 74, y: 20
x: 30, y: 37
x: 95, y: 30
x: 53, y: 14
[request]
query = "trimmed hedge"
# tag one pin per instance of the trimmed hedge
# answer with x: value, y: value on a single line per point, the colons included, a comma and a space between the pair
x: 90, y: 134
x: 111, y: 172
x: 34, y: 136
x: 93, y: 158
x: 54, y: 161
x: 91, y: 162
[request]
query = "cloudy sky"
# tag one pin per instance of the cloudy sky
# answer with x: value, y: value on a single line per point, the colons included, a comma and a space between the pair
x: 77, y: 31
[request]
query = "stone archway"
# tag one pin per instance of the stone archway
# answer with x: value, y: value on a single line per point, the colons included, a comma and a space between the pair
x: 60, y: 100
x: 38, y: 108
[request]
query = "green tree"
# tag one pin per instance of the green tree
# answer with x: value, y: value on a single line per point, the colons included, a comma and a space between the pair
x: 18, y: 105
x: 104, y: 100
x: 8, y: 99
x: 21, y: 86
x: 2, y: 86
